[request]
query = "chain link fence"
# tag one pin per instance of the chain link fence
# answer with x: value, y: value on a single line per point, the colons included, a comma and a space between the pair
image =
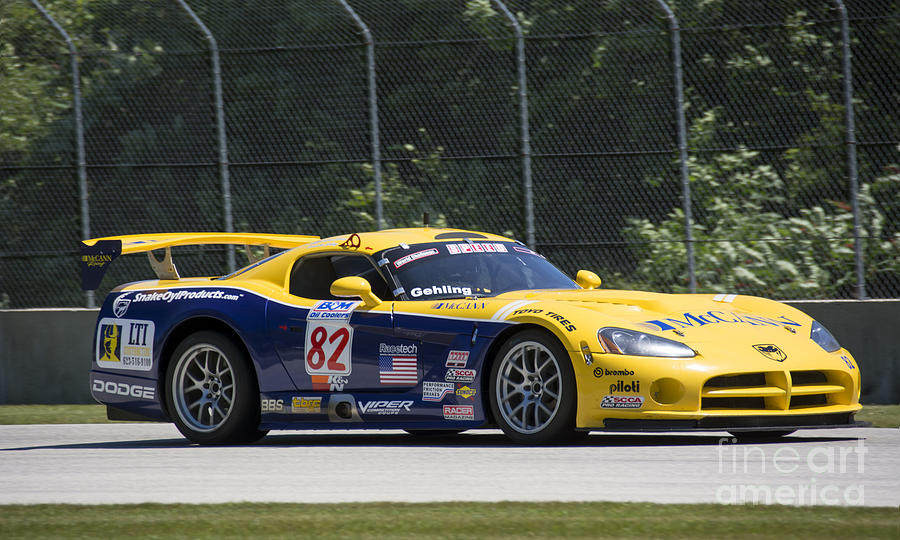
x: 668, y: 145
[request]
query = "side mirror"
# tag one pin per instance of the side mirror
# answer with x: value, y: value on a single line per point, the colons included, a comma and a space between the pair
x: 587, y: 280
x: 355, y: 286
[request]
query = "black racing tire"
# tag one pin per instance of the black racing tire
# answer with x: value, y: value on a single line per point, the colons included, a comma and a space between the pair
x: 533, y: 395
x: 212, y: 395
x: 761, y: 436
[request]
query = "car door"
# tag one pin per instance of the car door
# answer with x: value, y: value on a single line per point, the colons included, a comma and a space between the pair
x: 330, y: 344
x: 438, y: 310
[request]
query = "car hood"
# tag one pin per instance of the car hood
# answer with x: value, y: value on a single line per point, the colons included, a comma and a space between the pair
x: 686, y: 317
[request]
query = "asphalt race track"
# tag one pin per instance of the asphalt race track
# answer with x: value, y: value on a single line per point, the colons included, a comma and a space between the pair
x: 132, y: 463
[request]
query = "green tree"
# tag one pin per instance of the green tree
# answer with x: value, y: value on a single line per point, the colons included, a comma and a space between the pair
x: 743, y: 245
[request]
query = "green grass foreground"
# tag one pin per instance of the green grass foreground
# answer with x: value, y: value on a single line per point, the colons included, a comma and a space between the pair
x: 887, y: 416
x: 52, y: 414
x: 880, y: 415
x: 446, y: 520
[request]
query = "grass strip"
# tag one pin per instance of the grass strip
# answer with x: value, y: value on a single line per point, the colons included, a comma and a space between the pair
x: 52, y: 414
x: 463, y: 521
x: 885, y: 416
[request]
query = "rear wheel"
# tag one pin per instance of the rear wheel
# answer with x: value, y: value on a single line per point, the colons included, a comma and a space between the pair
x: 212, y: 396
x: 533, y: 393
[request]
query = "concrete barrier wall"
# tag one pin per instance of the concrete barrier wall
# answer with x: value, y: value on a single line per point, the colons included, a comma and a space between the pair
x: 45, y: 354
x: 870, y: 330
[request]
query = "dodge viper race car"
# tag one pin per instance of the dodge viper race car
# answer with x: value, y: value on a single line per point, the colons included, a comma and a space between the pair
x: 442, y: 330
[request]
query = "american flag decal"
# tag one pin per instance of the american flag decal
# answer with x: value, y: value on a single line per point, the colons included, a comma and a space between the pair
x: 397, y: 369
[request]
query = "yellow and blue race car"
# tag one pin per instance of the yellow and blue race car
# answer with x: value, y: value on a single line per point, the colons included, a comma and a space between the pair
x: 441, y: 330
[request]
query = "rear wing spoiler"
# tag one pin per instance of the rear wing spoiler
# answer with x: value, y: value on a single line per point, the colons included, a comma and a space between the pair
x: 98, y: 253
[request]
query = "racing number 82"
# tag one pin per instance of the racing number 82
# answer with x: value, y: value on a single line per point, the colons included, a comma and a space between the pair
x: 325, y: 354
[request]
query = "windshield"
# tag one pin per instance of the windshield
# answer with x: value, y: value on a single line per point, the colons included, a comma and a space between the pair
x: 438, y: 270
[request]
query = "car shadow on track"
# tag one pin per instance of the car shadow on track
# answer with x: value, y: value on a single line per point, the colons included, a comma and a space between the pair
x: 475, y: 439
x: 472, y: 439
x: 111, y: 445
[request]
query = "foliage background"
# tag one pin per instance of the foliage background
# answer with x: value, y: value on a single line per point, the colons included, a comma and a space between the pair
x: 765, y: 112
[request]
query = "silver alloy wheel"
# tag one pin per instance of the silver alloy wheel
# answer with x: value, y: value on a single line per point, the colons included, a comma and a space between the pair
x: 528, y: 388
x: 203, y: 387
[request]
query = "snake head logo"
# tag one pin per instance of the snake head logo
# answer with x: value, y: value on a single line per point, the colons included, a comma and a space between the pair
x: 121, y: 306
x: 772, y: 352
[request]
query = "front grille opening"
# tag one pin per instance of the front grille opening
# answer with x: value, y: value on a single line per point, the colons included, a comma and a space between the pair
x: 733, y: 403
x: 733, y: 381
x: 814, y: 400
x: 808, y: 377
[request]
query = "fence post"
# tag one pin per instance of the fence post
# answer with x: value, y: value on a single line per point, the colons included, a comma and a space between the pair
x: 79, y: 136
x: 682, y: 144
x: 373, y: 111
x: 524, y: 127
x: 851, y: 149
x: 220, y: 127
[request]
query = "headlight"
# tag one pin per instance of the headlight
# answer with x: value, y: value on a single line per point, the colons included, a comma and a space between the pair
x: 823, y: 337
x: 633, y: 343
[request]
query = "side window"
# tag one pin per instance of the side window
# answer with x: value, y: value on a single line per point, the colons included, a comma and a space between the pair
x: 312, y: 276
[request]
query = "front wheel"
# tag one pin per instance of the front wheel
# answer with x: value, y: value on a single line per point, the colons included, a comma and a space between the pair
x: 533, y: 393
x: 212, y: 396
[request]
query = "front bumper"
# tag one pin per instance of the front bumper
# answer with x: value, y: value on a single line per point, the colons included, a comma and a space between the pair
x: 735, y: 423
x: 741, y: 394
